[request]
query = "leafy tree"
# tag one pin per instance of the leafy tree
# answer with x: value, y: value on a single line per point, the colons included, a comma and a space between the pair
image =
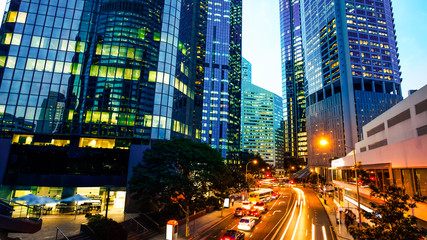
x: 389, y: 219
x: 181, y: 172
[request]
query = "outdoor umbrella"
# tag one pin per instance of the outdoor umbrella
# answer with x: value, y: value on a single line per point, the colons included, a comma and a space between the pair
x: 76, y: 198
x: 32, y: 199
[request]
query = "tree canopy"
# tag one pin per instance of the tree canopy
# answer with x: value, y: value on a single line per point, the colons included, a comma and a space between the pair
x: 389, y: 219
x: 179, y: 171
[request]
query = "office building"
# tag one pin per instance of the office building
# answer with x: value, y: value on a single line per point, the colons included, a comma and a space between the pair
x: 352, y: 71
x: 392, y: 152
x: 261, y: 117
x: 82, y: 81
x: 222, y: 79
x: 293, y: 91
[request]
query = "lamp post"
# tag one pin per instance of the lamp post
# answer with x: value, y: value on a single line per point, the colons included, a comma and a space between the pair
x: 324, y: 142
x: 246, y: 175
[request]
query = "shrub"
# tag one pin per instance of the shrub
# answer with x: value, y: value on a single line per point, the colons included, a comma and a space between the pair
x: 107, y: 229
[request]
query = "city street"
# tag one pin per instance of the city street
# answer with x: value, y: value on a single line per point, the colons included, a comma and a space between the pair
x: 297, y: 214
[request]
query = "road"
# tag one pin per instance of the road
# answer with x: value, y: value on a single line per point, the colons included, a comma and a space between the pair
x: 297, y: 214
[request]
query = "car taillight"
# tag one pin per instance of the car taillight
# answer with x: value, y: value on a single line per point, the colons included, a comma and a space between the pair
x: 234, y: 212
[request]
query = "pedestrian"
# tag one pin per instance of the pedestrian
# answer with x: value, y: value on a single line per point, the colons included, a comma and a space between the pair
x: 232, y: 201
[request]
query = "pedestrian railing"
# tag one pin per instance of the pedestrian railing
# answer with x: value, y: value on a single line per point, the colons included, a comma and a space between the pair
x: 59, y: 231
x: 138, y: 225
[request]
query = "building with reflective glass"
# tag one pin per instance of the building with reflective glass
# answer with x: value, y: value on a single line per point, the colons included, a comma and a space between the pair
x: 351, y: 68
x: 293, y: 91
x: 222, y: 79
x: 83, y: 80
x: 262, y: 114
x: 246, y: 71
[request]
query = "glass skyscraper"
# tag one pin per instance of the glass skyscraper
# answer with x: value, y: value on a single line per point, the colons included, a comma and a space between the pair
x: 222, y: 79
x: 246, y: 71
x: 104, y: 68
x: 351, y: 68
x: 262, y: 114
x: 293, y: 92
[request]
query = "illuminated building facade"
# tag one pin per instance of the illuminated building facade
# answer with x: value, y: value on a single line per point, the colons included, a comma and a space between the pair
x: 262, y: 114
x: 80, y: 78
x: 293, y: 93
x: 222, y: 79
x: 351, y: 68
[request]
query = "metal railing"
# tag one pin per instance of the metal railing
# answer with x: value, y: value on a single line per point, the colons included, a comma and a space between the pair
x: 22, y: 210
x: 62, y: 233
x: 137, y: 223
x: 149, y: 218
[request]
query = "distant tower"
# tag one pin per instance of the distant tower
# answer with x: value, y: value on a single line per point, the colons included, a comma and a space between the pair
x: 261, y: 117
x: 246, y: 71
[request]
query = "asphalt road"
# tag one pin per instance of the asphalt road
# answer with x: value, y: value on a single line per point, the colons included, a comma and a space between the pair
x: 297, y: 214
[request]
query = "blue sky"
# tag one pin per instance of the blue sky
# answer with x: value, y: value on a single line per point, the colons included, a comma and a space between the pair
x: 261, y: 41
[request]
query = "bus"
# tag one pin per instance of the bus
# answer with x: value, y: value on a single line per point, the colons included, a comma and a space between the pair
x: 263, y: 194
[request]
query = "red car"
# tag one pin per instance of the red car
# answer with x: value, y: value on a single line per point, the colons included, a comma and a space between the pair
x: 253, y: 212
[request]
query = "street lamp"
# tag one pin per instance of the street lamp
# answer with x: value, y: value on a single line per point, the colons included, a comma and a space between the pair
x: 246, y: 175
x: 324, y: 142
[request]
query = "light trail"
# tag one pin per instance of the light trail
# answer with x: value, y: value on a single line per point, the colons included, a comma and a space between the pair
x: 289, y: 222
x: 324, y: 233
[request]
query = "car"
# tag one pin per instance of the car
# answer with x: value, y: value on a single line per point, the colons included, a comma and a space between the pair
x: 275, y: 195
x: 253, y: 212
x: 239, y: 212
x: 246, y: 223
x: 260, y: 206
x: 246, y: 205
x: 233, y: 235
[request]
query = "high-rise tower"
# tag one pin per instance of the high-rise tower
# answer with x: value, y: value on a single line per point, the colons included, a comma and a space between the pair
x: 222, y: 82
x: 103, y: 68
x: 295, y: 145
x: 351, y: 68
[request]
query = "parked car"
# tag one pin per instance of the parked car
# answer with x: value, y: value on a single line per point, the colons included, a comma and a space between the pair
x: 233, y: 235
x: 260, y: 206
x: 246, y: 223
x: 239, y: 212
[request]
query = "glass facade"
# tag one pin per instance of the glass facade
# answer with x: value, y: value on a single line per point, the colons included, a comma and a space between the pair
x: 293, y: 79
x: 261, y: 117
x: 102, y: 68
x: 246, y: 71
x: 352, y: 70
x: 222, y: 78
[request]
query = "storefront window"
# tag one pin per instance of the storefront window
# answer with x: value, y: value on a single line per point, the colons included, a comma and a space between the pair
x: 421, y: 181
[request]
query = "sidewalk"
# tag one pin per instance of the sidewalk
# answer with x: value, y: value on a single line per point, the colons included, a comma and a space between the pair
x: 201, y: 224
x: 339, y: 228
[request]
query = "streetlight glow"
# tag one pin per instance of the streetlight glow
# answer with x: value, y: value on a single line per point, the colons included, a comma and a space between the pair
x: 323, y: 142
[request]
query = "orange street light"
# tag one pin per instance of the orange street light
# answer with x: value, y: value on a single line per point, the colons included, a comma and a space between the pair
x: 323, y: 142
x: 246, y: 175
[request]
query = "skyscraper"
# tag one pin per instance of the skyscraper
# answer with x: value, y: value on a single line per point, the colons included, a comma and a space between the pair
x: 114, y: 70
x: 293, y: 79
x: 221, y: 101
x: 351, y: 68
x: 261, y: 117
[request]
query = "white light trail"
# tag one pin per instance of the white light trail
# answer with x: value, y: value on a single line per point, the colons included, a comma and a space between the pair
x: 324, y: 233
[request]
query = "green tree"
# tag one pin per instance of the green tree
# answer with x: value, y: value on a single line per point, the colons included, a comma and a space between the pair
x: 389, y: 219
x: 181, y: 172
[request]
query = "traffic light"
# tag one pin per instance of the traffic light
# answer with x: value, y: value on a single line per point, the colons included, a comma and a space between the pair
x: 267, y: 174
x: 359, y: 182
x: 372, y: 178
x: 292, y: 182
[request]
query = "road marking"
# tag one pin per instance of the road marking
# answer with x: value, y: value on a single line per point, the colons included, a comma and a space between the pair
x: 281, y: 202
x: 276, y: 211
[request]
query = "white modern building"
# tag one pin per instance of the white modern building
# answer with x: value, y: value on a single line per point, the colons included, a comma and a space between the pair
x: 393, y: 151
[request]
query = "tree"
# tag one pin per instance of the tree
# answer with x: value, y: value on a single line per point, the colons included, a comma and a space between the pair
x: 181, y: 172
x: 389, y: 219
